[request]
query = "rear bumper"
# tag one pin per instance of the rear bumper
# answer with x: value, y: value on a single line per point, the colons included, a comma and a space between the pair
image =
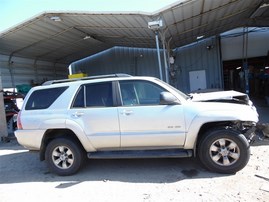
x: 30, y: 139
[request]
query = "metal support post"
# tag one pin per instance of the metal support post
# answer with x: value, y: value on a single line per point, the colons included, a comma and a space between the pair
x: 245, y: 59
x: 165, y: 61
x: 3, y: 123
x: 158, y: 53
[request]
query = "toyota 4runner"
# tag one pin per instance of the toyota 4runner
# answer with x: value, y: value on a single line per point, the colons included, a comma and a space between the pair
x: 121, y: 116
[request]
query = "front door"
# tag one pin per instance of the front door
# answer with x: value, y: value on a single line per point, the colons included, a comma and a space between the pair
x: 146, y: 123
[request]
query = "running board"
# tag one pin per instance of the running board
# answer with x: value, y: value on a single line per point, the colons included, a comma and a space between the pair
x: 133, y: 154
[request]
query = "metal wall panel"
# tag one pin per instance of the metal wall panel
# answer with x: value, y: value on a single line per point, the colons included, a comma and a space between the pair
x: 203, y: 55
x: 232, y: 43
x: 25, y: 71
x: 134, y: 61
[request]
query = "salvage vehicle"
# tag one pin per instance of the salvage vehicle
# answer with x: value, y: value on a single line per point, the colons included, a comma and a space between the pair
x: 122, y: 116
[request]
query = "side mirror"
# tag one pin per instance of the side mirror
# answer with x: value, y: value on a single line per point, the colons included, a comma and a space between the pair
x: 167, y: 98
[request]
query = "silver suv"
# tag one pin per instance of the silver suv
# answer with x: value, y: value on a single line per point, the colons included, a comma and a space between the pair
x: 120, y: 116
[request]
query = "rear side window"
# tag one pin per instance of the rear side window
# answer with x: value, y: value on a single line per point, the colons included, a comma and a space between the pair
x: 94, y: 95
x: 43, y: 99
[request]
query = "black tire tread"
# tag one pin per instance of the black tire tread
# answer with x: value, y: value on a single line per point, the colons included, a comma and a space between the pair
x: 76, y: 149
x: 218, y: 133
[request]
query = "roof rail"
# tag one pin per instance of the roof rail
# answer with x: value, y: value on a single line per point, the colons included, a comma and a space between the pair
x: 85, y: 78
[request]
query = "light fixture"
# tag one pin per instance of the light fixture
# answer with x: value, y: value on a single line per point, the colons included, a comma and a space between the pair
x: 259, y: 11
x: 155, y: 26
x: 87, y: 37
x: 200, y: 37
x: 238, y: 67
x: 56, y: 18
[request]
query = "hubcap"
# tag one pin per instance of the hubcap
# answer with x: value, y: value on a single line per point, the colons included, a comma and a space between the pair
x: 62, y: 157
x: 224, y: 152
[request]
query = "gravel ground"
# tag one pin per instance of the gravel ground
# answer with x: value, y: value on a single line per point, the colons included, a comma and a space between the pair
x: 24, y: 178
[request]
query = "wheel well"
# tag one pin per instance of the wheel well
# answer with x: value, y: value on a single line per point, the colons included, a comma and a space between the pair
x: 210, y: 126
x: 57, y: 133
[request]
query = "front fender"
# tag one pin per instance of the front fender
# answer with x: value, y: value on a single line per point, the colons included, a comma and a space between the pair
x: 213, y: 117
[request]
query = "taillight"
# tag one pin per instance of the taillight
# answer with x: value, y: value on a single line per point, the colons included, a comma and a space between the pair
x: 19, y: 125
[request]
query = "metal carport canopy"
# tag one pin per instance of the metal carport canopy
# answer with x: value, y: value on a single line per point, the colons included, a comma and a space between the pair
x: 64, y: 37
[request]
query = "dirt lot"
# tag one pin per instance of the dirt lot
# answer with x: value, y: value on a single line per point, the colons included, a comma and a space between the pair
x: 24, y: 177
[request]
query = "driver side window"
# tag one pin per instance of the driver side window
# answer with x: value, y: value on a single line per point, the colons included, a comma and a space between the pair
x: 140, y: 93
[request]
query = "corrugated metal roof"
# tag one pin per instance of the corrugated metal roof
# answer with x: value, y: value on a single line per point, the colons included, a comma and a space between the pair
x: 75, y: 35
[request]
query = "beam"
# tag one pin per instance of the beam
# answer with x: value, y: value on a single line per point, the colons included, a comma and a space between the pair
x: 3, y: 123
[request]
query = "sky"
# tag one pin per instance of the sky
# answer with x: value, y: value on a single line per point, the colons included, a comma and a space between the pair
x: 13, y: 12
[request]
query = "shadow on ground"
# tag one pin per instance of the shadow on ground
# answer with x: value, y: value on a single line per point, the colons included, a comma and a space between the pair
x: 22, y: 166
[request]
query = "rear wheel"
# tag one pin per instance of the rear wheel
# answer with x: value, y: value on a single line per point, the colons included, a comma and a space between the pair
x: 224, y: 151
x: 63, y: 156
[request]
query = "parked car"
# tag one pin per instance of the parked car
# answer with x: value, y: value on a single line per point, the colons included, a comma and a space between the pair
x: 121, y: 116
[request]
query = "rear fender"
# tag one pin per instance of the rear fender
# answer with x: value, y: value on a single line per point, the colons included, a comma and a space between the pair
x: 69, y: 124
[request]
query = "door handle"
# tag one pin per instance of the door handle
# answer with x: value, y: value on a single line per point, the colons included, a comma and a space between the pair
x: 127, y: 112
x: 78, y: 114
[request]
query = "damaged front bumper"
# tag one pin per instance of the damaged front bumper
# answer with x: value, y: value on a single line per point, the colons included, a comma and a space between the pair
x: 257, y: 132
x: 262, y: 130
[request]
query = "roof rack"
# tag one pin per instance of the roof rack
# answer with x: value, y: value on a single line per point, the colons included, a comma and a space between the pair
x: 85, y: 78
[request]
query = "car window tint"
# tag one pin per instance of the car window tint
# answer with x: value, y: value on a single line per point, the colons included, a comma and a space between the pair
x: 99, y: 95
x: 79, y: 99
x: 43, y: 99
x: 140, y: 93
x: 128, y: 93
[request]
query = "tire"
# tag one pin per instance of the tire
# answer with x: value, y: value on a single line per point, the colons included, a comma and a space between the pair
x: 63, y: 156
x: 224, y: 151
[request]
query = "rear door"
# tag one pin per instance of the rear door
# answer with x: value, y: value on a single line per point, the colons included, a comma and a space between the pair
x: 146, y: 123
x: 93, y: 109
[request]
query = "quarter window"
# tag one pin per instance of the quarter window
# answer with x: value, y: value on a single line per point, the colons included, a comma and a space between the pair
x: 43, y: 99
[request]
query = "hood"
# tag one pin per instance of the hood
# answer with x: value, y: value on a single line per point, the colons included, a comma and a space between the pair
x: 222, y: 96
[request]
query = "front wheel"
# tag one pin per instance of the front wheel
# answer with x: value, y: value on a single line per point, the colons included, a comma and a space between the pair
x: 224, y: 151
x: 63, y: 156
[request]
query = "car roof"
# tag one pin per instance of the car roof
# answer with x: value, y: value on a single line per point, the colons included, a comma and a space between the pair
x: 86, y: 78
x: 92, y: 79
